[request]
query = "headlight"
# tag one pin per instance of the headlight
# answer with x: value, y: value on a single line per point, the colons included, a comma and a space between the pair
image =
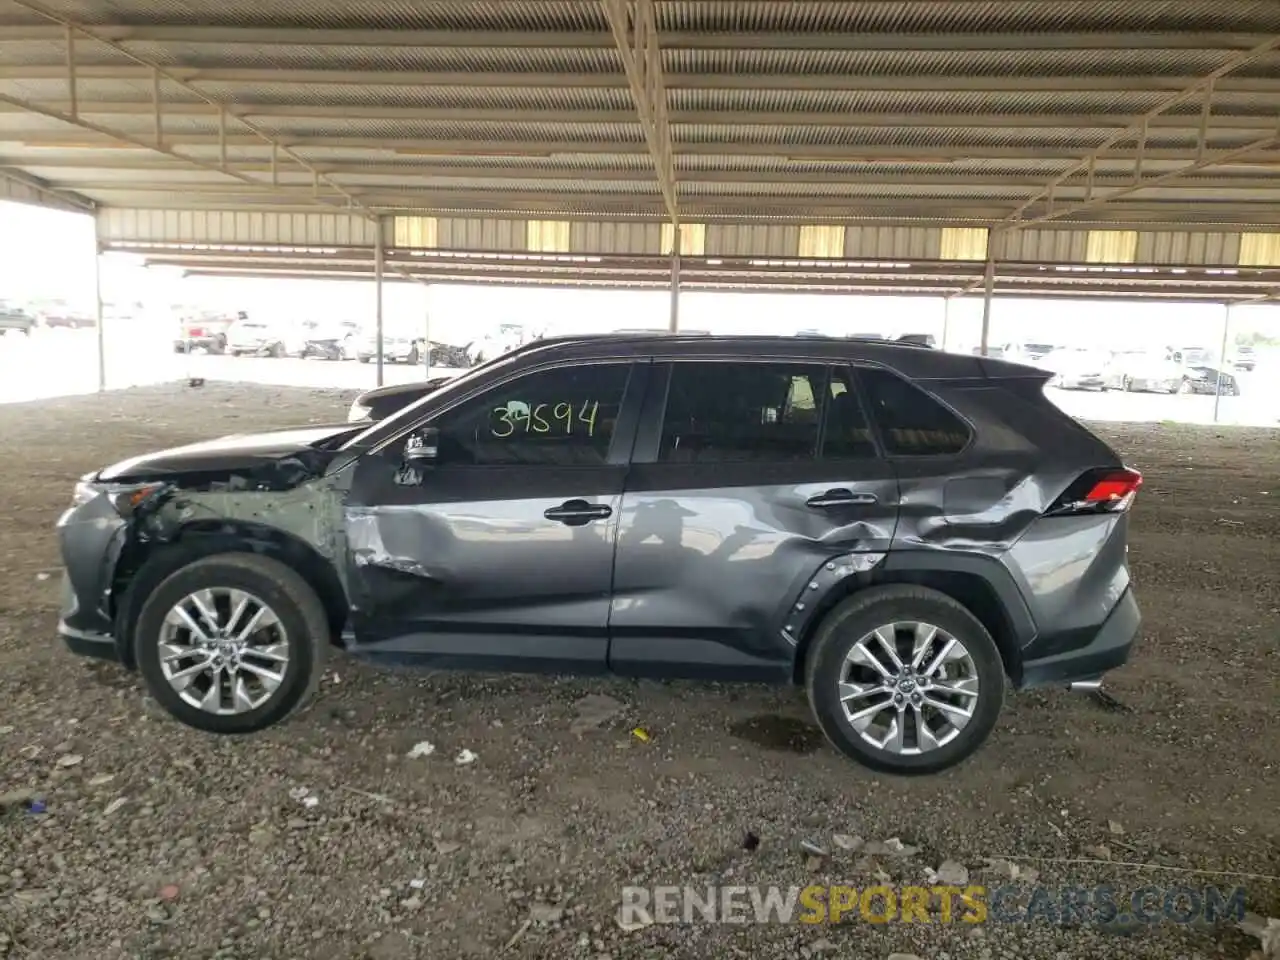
x: 84, y: 492
x: 358, y: 411
x: 124, y: 497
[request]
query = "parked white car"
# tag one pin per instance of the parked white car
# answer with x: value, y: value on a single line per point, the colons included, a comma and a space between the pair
x: 262, y: 339
x: 1077, y: 368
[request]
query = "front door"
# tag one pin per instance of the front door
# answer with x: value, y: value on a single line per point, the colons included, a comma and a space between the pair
x: 745, y: 483
x: 500, y: 553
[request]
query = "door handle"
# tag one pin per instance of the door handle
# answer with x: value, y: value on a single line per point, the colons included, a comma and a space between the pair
x: 575, y: 513
x: 841, y: 497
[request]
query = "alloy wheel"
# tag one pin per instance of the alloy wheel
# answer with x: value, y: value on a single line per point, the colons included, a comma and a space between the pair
x: 908, y: 687
x: 223, y: 650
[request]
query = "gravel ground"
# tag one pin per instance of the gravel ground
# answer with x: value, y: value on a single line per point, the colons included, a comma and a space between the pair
x: 158, y: 841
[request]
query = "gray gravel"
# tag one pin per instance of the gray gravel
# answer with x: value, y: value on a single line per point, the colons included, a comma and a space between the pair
x: 324, y: 838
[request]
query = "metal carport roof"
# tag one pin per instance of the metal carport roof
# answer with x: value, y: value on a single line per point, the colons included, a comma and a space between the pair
x: 1144, y: 115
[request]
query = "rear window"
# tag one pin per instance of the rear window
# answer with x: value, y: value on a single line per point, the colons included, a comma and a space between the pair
x: 911, y: 422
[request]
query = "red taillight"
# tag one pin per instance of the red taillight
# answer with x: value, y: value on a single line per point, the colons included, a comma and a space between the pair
x: 1115, y: 486
x: 1098, y: 491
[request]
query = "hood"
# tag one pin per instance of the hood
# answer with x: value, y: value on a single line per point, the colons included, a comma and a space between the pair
x: 1209, y: 373
x: 236, y: 454
x: 403, y: 391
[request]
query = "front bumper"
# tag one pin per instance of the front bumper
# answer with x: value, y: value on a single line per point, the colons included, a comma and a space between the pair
x: 1109, y: 649
x: 91, y: 537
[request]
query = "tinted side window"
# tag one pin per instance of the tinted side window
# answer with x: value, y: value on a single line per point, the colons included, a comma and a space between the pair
x: 724, y: 412
x: 561, y: 417
x: 912, y: 422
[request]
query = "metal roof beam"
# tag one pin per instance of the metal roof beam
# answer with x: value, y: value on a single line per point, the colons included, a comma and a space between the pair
x: 635, y: 33
x: 1190, y: 122
x: 58, y: 195
x: 890, y: 83
x: 514, y: 203
x: 69, y: 27
x: 1139, y: 129
x: 129, y: 140
x: 675, y: 40
x: 424, y: 147
x: 74, y: 173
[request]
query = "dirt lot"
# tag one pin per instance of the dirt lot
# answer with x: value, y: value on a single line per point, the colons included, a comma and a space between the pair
x: 162, y: 842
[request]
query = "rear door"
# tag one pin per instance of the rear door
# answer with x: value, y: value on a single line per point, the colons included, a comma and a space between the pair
x: 747, y: 477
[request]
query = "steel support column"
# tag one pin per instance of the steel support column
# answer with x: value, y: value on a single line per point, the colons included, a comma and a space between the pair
x: 97, y: 294
x: 674, y: 323
x: 378, y: 257
x: 988, y: 286
x: 1222, y: 360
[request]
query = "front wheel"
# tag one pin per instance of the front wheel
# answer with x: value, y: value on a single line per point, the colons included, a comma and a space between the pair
x: 904, y: 680
x: 232, y: 643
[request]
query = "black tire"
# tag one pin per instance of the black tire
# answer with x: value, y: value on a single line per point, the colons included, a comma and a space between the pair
x: 868, y: 610
x: 301, y: 614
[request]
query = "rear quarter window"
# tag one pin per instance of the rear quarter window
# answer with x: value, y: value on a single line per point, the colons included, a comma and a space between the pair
x: 912, y: 423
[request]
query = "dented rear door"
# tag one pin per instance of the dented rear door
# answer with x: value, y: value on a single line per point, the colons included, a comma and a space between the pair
x: 500, y: 555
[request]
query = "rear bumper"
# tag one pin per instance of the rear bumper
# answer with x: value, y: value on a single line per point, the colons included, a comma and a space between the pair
x: 1108, y: 649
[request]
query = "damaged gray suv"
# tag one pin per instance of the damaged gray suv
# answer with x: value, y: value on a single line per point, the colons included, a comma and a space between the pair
x: 898, y: 530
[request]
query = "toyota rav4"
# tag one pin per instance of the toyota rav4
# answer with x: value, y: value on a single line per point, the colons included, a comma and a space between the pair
x: 896, y: 529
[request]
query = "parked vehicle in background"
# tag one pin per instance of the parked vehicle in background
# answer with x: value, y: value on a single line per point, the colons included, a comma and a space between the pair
x: 1077, y: 368
x: 260, y: 338
x: 399, y: 345
x: 919, y: 339
x: 1032, y: 354
x: 13, y: 319
x: 706, y: 507
x: 205, y: 331
x: 1191, y: 355
x: 1144, y: 371
x: 1244, y: 358
x: 60, y: 315
x: 1211, y: 379
x: 381, y: 402
x: 331, y: 340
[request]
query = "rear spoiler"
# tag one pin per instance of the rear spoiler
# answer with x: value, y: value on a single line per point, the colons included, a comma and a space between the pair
x: 994, y: 369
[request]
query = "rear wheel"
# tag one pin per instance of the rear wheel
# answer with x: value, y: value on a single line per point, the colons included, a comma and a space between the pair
x: 232, y: 643
x: 904, y: 680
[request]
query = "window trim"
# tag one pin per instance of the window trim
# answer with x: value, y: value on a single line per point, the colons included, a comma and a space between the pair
x: 621, y: 444
x: 648, y: 438
x: 859, y: 366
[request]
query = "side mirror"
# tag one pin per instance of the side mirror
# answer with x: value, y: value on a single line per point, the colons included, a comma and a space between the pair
x: 423, y: 447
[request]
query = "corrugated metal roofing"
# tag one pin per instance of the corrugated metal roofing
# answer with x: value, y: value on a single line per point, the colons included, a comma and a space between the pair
x: 929, y: 110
